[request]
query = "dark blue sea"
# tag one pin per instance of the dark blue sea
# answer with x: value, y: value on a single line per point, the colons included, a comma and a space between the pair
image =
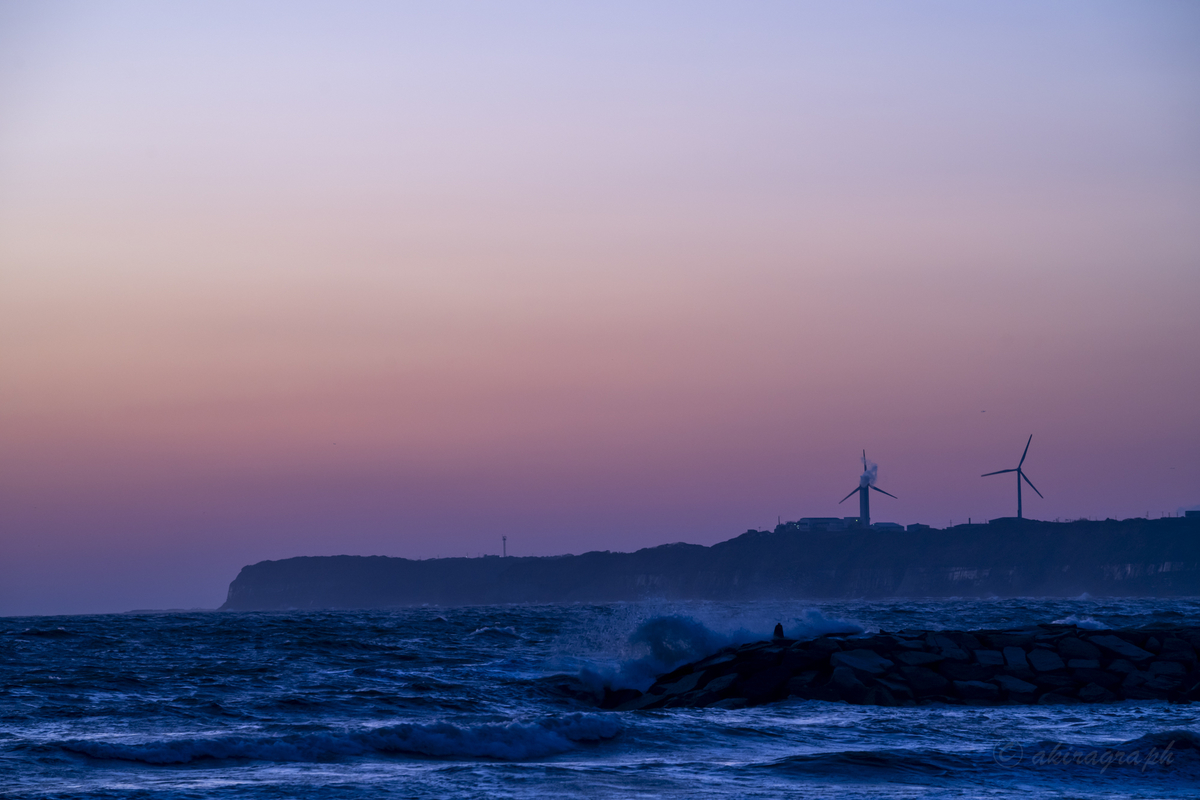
x: 470, y: 702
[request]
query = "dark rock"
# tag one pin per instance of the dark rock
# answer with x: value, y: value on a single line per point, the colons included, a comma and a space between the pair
x: 1014, y: 685
x: 1045, y: 661
x: 862, y: 661
x: 676, y: 674
x: 909, y: 644
x: 1015, y: 657
x: 1073, y: 647
x: 1121, y: 648
x: 880, y: 642
x: 965, y: 640
x: 848, y: 684
x: 899, y: 689
x: 1057, y: 698
x: 977, y: 690
x: 721, y: 683
x: 1153, y: 645
x: 1095, y: 693
x: 829, y: 694
x: 1176, y: 649
x: 797, y: 659
x: 1003, y: 640
x: 801, y: 682
x: 1050, y: 682
x: 765, y: 685
x: 893, y: 670
x: 1023, y: 674
x: 990, y: 658
x: 699, y: 699
x: 879, y: 696
x: 1106, y: 679
x: 1083, y: 663
x: 1135, y: 678
x: 722, y: 657
x: 918, y: 659
x: 924, y: 681
x: 957, y: 671
x: 1168, y: 668
x: 758, y: 660
x: 947, y: 647
x: 1122, y: 667
x: 616, y: 697
x: 823, y: 647
x: 1161, y: 684
x: 730, y: 703
x: 685, y: 684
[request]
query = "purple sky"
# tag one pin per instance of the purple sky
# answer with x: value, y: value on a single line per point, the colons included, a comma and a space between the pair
x: 284, y: 279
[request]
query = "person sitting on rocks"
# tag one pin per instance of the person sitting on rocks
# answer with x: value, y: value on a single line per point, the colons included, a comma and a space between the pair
x: 778, y: 630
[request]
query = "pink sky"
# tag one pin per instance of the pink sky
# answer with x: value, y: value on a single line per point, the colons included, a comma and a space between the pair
x: 291, y: 279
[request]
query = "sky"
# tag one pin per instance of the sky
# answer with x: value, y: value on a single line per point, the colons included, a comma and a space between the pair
x: 285, y: 279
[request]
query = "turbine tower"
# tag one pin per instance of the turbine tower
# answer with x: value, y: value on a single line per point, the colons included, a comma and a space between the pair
x: 1020, y: 476
x: 866, y: 482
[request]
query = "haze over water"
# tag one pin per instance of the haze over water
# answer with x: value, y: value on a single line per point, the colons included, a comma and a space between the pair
x: 299, y: 279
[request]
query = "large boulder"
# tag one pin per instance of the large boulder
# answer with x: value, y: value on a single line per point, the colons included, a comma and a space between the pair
x: 916, y: 658
x: 864, y: 661
x: 977, y: 690
x: 1094, y: 693
x: 1122, y: 648
x: 1045, y: 660
x: 1014, y: 685
x: 1014, y: 657
x: 1074, y: 647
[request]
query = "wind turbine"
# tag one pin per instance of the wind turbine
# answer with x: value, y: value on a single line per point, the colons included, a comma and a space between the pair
x: 866, y: 482
x: 1020, y: 475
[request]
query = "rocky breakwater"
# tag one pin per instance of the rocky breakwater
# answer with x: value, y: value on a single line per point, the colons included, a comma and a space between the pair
x: 1047, y: 664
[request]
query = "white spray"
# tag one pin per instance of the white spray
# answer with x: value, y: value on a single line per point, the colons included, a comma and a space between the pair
x: 870, y: 470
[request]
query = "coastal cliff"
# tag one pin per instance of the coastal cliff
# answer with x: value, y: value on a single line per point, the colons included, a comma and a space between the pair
x: 1129, y: 558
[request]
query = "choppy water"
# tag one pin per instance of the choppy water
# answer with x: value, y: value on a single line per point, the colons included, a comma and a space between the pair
x: 435, y: 702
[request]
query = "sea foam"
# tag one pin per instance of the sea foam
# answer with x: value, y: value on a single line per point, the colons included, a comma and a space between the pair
x: 517, y: 740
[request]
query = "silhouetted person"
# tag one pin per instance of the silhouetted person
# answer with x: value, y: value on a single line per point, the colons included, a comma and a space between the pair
x: 778, y: 630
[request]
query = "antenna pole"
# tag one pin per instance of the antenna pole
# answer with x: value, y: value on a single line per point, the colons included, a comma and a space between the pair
x: 504, y: 546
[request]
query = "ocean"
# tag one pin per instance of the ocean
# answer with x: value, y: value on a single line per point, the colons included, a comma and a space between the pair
x: 437, y: 702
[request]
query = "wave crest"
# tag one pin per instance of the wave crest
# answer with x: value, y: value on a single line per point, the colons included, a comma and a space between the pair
x: 510, y: 741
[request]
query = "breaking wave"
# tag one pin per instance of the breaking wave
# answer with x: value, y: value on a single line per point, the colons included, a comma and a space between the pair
x: 1087, y: 623
x: 511, y: 741
x: 667, y: 642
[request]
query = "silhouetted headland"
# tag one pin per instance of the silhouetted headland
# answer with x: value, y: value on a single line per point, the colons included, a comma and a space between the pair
x: 1113, y: 558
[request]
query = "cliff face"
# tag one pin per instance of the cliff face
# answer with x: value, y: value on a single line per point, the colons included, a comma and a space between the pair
x: 1112, y: 558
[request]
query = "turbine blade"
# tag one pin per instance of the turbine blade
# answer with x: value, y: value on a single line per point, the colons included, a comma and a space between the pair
x: 997, y: 472
x: 1026, y: 451
x: 847, y: 497
x: 1031, y: 486
x: 889, y: 494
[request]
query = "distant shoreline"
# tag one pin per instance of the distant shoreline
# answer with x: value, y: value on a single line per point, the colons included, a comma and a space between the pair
x: 1111, y: 558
